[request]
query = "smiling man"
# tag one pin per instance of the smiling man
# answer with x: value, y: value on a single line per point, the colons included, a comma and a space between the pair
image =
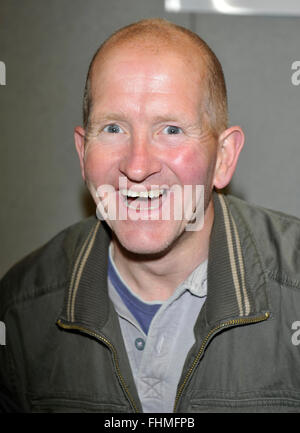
x: 171, y: 299
x: 148, y: 126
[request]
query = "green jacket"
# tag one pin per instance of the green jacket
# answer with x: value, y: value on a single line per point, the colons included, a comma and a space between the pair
x: 64, y: 350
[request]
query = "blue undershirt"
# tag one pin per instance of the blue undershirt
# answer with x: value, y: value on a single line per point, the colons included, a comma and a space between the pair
x: 142, y: 311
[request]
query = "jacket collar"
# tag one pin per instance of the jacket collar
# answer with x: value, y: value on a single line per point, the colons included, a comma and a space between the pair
x: 236, y: 277
x: 231, y: 291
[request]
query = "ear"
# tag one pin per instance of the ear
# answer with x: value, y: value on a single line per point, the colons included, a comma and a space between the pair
x: 79, y: 135
x: 230, y: 144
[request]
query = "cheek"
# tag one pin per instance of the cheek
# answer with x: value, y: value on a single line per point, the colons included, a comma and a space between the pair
x: 193, y: 167
x: 98, y: 167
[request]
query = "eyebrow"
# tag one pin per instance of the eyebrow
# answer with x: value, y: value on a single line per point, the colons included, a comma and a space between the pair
x: 108, y: 116
x: 167, y: 118
x: 182, y: 121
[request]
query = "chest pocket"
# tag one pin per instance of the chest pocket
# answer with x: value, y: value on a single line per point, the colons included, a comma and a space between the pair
x: 69, y: 405
x: 270, y: 401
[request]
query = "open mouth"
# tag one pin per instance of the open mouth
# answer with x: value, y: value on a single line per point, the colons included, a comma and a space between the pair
x: 143, y: 200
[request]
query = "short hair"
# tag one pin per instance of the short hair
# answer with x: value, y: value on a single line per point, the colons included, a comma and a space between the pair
x: 215, y: 101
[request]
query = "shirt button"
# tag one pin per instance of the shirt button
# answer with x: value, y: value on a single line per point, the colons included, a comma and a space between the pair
x: 139, y: 344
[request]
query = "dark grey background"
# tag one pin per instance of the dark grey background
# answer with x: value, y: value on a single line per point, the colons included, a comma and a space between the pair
x: 47, y: 45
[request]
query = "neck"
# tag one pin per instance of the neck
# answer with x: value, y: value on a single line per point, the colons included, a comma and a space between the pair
x: 156, y: 278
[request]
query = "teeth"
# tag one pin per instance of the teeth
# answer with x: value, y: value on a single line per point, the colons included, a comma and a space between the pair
x: 156, y: 193
x: 144, y: 194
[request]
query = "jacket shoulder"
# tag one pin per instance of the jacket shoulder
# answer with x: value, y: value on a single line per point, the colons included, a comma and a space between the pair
x: 45, y: 269
x: 276, y: 236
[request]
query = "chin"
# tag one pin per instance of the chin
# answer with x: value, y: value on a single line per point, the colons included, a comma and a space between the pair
x: 155, y: 241
x: 149, y: 250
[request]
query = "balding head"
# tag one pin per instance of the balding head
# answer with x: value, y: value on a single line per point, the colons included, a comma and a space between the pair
x: 157, y: 35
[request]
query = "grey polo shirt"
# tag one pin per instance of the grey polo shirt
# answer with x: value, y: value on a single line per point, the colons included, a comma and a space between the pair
x: 157, y: 359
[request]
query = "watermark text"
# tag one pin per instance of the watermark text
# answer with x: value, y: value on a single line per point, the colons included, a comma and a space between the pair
x: 2, y: 74
x: 152, y: 202
x: 295, y: 78
x: 2, y: 334
x: 296, y: 334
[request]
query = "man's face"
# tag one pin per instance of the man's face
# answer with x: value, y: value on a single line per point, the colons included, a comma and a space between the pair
x: 146, y: 129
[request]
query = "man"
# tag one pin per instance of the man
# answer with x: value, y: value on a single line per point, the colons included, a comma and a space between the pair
x: 152, y: 307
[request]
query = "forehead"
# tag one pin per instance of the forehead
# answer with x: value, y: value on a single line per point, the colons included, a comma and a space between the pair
x: 138, y: 68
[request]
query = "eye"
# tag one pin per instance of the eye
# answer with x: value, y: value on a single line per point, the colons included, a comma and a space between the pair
x: 171, y: 130
x: 113, y: 129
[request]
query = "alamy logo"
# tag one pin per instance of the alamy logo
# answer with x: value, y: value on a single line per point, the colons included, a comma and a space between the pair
x: 2, y: 74
x: 2, y: 334
x: 151, y: 202
x: 296, y: 335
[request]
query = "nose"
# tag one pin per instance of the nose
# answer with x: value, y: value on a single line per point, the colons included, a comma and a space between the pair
x: 140, y: 160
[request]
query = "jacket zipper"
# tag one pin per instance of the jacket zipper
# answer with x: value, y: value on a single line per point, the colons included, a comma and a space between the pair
x: 204, y: 343
x: 113, y: 351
